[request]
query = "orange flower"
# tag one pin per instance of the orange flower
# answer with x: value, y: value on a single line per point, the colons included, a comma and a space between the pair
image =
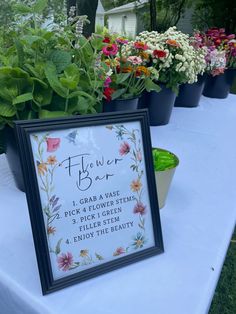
x: 113, y: 62
x: 51, y: 160
x: 172, y: 42
x: 42, y: 168
x: 127, y: 69
x: 142, y: 70
x: 144, y: 55
x: 135, y: 185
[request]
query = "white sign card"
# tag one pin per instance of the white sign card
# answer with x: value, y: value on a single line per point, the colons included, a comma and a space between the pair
x: 94, y: 191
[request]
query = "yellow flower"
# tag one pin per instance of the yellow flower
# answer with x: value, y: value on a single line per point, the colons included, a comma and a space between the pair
x: 136, y: 185
x: 142, y: 70
x: 144, y: 55
x: 84, y: 253
x: 42, y: 168
x: 51, y: 160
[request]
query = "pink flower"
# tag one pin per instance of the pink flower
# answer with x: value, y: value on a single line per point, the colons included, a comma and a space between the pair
x: 134, y: 60
x: 110, y: 50
x: 107, y: 82
x: 119, y: 251
x: 65, y: 261
x: 124, y: 148
x: 52, y: 144
x: 139, y: 208
x: 122, y: 41
x: 217, y: 71
x: 231, y: 36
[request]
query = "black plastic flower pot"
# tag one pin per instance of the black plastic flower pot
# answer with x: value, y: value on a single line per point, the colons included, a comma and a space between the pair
x: 190, y: 94
x: 143, y: 100
x: 219, y: 86
x: 160, y: 106
x: 120, y: 105
x: 13, y: 157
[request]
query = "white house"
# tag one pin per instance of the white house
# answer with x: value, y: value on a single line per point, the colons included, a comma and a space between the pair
x: 100, y: 14
x: 125, y: 19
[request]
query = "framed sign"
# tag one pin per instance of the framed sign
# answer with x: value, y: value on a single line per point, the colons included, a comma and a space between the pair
x: 91, y: 194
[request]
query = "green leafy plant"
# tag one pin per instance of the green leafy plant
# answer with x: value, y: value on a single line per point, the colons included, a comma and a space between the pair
x: 48, y: 72
x: 163, y: 159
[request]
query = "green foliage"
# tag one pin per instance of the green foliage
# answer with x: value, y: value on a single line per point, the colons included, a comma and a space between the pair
x: 46, y: 73
x: 169, y: 13
x: 224, y: 301
x: 215, y: 13
x: 163, y: 160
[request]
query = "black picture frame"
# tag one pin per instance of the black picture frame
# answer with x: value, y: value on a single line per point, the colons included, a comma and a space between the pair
x: 23, y: 131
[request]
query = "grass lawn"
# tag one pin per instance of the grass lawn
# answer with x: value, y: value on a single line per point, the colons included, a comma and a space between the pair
x: 224, y: 301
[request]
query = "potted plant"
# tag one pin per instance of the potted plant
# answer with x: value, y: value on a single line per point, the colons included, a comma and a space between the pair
x: 165, y: 164
x: 171, y: 55
x: 128, y: 74
x: 46, y: 73
x: 190, y: 93
x: 221, y: 62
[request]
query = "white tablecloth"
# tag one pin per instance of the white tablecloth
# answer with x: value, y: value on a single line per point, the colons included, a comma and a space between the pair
x: 197, y: 224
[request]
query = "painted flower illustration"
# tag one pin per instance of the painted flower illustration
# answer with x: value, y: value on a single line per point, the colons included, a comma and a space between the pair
x: 119, y: 251
x: 124, y: 148
x: 52, y: 144
x: 42, y: 168
x: 139, y: 208
x: 52, y: 160
x: 136, y: 185
x: 84, y: 253
x: 51, y: 230
x: 65, y: 261
x: 139, y: 241
x: 139, y: 156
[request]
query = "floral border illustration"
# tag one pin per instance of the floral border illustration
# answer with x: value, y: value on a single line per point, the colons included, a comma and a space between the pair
x: 46, y: 167
x: 131, y: 146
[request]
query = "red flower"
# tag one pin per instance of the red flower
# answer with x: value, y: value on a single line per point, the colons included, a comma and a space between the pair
x: 159, y: 53
x: 217, y: 42
x: 108, y: 91
x: 106, y: 40
x: 52, y: 144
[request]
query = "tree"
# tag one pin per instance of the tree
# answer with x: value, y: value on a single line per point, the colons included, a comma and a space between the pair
x: 89, y: 8
x: 85, y: 7
x: 153, y: 15
x: 218, y: 13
